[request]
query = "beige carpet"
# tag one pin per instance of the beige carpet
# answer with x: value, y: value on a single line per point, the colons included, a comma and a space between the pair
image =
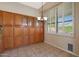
x: 36, y: 50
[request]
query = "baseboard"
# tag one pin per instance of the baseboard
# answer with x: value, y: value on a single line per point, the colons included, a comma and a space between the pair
x: 63, y: 49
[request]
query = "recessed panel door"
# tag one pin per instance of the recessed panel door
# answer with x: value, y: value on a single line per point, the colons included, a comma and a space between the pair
x: 1, y: 20
x: 31, y: 30
x: 1, y: 29
x: 42, y: 31
x: 18, y: 19
x: 18, y: 30
x: 37, y: 34
x: 25, y: 30
x: 39, y: 31
x: 8, y: 18
x: 8, y: 37
x: 18, y: 36
x: 8, y: 29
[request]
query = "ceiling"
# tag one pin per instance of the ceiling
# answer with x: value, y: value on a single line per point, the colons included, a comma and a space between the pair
x: 36, y: 5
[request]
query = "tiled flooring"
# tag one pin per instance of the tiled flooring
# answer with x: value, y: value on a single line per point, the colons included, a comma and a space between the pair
x: 36, y: 50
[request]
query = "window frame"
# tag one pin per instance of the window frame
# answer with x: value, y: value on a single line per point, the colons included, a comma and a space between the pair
x: 56, y: 19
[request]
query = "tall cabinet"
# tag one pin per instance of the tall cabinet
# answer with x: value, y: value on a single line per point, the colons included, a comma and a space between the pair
x: 18, y: 30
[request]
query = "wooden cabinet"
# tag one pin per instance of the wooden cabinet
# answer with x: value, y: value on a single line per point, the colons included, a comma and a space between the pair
x: 39, y: 32
x: 1, y: 25
x: 19, y: 30
x: 8, y: 37
x: 8, y: 42
x: 18, y: 19
x: 7, y: 31
x: 1, y: 21
x: 26, y: 31
x: 1, y: 44
x: 31, y: 25
x: 8, y: 18
x: 18, y: 36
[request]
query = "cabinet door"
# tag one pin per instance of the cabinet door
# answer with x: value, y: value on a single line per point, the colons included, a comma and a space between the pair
x: 18, y: 36
x: 26, y: 38
x: 8, y: 18
x: 26, y: 30
x: 8, y: 42
x: 7, y: 31
x: 8, y: 37
x: 42, y: 30
x: 1, y: 40
x: 1, y: 20
x: 39, y: 31
x: 1, y: 44
x: 31, y: 30
x: 18, y: 19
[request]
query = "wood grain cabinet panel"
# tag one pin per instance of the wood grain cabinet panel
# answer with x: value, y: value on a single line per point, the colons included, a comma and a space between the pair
x: 26, y: 40
x: 42, y: 30
x: 31, y: 25
x: 8, y: 42
x: 19, y: 30
x: 1, y: 25
x: 39, y: 31
x: 8, y: 37
x: 26, y: 31
x: 26, y: 36
x: 18, y: 36
x: 1, y: 20
x: 37, y: 35
x: 8, y: 18
x: 7, y: 31
x: 18, y: 19
x: 1, y: 45
x: 18, y: 41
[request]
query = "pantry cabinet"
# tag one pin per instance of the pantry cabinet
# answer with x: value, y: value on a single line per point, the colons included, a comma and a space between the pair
x: 17, y: 30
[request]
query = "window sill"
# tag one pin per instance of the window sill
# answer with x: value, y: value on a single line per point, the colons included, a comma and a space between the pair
x: 62, y: 34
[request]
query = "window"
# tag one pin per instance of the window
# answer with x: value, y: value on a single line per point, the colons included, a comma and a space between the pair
x: 51, y: 21
x: 60, y: 19
x: 68, y: 18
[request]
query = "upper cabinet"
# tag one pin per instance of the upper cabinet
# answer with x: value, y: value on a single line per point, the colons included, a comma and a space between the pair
x: 8, y: 18
x: 18, y: 19
x: 0, y: 17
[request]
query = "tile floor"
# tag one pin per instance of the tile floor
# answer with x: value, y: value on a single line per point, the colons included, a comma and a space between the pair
x: 36, y: 50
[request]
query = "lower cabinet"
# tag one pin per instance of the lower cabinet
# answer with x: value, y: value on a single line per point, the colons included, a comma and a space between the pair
x: 7, y: 42
x: 18, y: 36
x: 1, y: 43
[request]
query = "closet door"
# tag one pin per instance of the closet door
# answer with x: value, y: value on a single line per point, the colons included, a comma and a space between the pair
x: 1, y: 29
x: 31, y: 30
x: 26, y: 30
x: 18, y: 30
x: 8, y: 29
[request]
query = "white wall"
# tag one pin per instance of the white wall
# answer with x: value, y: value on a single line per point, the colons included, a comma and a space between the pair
x: 18, y: 8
